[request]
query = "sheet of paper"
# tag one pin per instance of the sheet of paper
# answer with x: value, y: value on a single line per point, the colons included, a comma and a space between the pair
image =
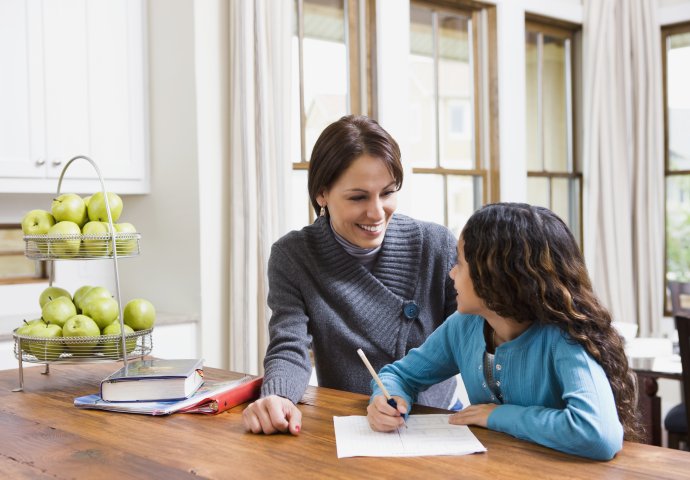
x: 425, y: 435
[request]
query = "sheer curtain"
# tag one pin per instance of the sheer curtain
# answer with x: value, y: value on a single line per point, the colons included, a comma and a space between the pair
x: 623, y: 159
x: 260, y: 39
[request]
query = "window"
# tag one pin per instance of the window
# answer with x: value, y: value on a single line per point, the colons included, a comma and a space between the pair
x: 449, y: 144
x: 676, y: 58
x: 554, y: 178
x: 331, y: 78
x: 14, y: 266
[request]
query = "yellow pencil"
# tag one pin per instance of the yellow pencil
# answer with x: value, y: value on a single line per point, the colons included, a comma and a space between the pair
x: 390, y: 400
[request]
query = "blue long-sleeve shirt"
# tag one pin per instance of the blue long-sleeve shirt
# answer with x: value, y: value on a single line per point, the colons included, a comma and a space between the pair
x: 554, y: 393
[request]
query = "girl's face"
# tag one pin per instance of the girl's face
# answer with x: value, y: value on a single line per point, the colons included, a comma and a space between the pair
x: 362, y: 201
x: 468, y: 301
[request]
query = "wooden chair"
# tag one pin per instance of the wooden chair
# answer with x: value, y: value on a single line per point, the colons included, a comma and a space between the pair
x: 676, y: 421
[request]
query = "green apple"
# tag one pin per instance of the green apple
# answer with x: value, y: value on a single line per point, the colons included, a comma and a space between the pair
x: 97, y: 209
x: 125, y: 247
x: 65, y: 239
x: 51, y: 293
x: 69, y: 207
x: 139, y: 314
x: 112, y: 346
x: 103, y: 311
x: 24, y: 328
x: 94, y: 293
x: 79, y: 295
x: 81, y: 326
x: 96, y: 247
x: 58, y: 310
x: 42, y: 350
x: 37, y: 222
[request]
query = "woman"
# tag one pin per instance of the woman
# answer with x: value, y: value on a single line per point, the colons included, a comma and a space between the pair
x: 539, y: 357
x: 361, y: 276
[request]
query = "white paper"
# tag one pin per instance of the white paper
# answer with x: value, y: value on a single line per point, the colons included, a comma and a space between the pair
x: 425, y: 435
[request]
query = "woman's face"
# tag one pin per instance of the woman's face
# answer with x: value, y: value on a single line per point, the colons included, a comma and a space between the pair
x: 362, y: 201
x: 468, y: 301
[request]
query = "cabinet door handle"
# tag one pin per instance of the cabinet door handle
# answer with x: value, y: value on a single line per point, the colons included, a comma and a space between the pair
x: 40, y: 161
x: 57, y: 162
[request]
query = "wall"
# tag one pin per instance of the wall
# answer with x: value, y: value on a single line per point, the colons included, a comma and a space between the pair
x: 167, y: 271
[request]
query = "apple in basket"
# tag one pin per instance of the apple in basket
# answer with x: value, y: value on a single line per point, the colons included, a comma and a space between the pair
x: 51, y: 293
x: 37, y: 222
x: 42, y: 350
x: 81, y: 326
x: 65, y: 247
x: 69, y: 207
x: 112, y: 346
x: 58, y: 311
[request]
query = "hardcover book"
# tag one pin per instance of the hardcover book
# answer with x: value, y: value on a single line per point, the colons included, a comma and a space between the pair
x: 211, y: 398
x: 153, y: 379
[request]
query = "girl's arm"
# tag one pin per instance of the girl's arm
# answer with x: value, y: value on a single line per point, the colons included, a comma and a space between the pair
x: 587, y: 426
x: 431, y: 363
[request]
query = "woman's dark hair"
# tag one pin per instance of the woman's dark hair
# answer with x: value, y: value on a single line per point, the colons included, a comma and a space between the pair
x: 525, y: 264
x: 344, y: 141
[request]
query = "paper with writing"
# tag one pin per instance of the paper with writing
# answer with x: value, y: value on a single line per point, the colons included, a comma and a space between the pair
x: 425, y: 435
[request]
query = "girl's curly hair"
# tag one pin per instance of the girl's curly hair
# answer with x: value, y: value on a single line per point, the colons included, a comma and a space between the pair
x: 525, y: 264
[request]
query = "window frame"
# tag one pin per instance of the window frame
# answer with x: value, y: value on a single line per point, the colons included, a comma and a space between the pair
x: 485, y: 145
x: 666, y: 32
x: 570, y: 34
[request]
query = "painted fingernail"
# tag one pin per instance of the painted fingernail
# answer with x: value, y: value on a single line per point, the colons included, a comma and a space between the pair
x: 297, y: 428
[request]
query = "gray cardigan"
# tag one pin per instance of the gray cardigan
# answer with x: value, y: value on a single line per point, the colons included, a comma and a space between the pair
x: 324, y: 299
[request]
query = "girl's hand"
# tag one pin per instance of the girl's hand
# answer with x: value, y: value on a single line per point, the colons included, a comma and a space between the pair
x: 384, y: 418
x: 473, y: 415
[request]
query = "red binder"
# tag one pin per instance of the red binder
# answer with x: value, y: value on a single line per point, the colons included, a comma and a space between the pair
x: 222, y: 401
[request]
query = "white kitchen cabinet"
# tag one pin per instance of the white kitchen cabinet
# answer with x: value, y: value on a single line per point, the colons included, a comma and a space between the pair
x: 72, y: 83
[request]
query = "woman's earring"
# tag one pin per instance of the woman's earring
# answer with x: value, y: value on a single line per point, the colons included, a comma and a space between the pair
x: 322, y: 212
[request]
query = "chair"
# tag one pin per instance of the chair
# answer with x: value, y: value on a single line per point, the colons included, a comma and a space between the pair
x: 680, y: 298
x: 676, y: 421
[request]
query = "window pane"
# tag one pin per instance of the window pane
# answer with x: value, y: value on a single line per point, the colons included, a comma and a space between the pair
x: 455, y: 92
x: 421, y: 141
x: 532, y: 103
x: 554, y: 106
x: 325, y: 67
x: 299, y: 213
x: 678, y: 227
x: 561, y: 199
x: 678, y: 75
x: 423, y: 197
x: 464, y: 197
x: 538, y: 191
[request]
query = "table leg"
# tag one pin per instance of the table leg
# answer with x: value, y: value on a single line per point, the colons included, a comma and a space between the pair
x: 650, y: 408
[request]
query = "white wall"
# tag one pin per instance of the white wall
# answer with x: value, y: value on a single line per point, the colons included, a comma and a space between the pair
x: 167, y: 271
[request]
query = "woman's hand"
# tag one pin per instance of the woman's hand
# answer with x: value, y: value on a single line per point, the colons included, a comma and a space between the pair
x: 384, y: 418
x: 272, y: 414
x: 473, y: 415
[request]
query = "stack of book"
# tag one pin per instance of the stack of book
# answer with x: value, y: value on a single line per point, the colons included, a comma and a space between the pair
x: 162, y: 387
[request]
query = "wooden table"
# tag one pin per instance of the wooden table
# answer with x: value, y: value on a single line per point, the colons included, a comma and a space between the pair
x: 43, y: 436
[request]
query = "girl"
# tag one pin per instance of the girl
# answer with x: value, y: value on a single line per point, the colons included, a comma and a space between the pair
x: 537, y: 352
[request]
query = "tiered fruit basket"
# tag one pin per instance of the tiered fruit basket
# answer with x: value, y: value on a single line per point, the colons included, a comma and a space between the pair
x: 109, y: 246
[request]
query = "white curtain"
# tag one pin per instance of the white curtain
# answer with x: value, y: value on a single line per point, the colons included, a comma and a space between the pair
x: 260, y: 47
x: 623, y: 159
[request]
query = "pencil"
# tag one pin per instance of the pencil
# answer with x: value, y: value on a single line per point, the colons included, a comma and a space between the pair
x: 390, y: 400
